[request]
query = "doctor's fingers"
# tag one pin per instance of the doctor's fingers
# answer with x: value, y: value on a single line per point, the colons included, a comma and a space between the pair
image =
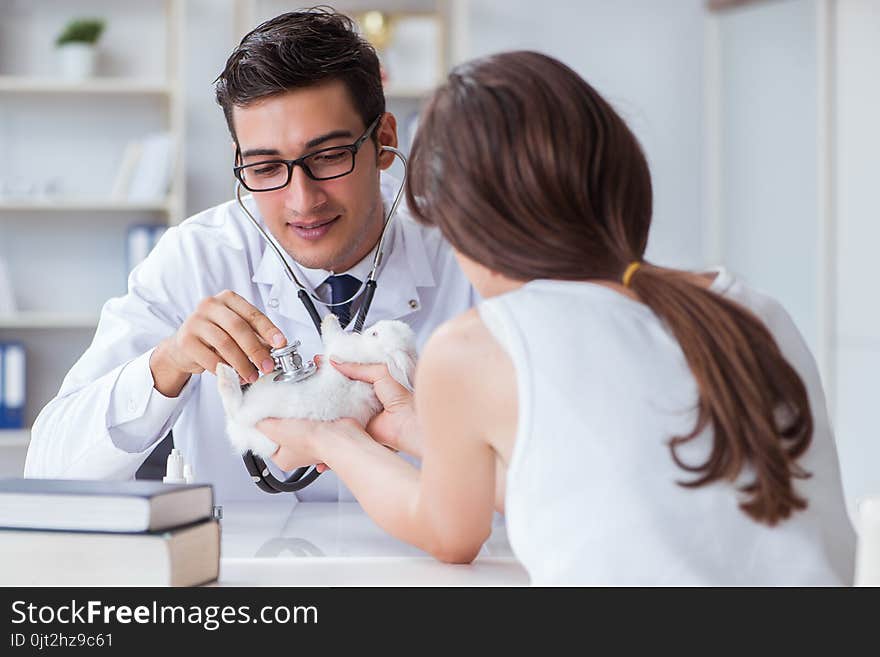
x: 242, y: 332
x: 226, y: 348
x: 193, y: 355
x: 257, y: 320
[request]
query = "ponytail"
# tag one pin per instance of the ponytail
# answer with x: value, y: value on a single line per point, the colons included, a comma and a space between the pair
x: 753, y: 398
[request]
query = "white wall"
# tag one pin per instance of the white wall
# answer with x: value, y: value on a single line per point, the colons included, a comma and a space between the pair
x: 210, y: 39
x: 800, y: 97
x: 769, y: 153
x: 646, y: 58
x: 857, y: 354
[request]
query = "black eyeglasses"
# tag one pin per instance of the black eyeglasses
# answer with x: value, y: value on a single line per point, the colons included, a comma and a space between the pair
x: 325, y: 164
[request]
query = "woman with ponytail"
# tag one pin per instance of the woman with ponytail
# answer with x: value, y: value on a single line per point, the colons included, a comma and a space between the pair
x: 636, y: 424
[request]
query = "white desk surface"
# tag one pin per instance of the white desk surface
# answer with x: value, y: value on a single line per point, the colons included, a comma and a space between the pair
x: 337, y: 544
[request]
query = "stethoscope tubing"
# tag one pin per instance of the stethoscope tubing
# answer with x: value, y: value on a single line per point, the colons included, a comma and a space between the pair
x: 255, y: 465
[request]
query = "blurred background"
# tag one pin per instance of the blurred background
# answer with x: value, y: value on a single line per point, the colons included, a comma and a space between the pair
x: 759, y: 119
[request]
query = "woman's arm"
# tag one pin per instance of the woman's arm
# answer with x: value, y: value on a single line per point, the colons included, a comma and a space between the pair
x: 396, y: 426
x: 446, y: 508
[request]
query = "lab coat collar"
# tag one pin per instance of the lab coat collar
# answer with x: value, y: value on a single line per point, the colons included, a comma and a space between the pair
x: 406, y: 268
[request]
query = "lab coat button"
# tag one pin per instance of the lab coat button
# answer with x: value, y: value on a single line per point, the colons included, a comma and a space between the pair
x: 273, y: 303
x: 413, y: 304
x: 132, y: 406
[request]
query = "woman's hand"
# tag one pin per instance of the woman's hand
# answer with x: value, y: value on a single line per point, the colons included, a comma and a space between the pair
x: 395, y: 426
x: 296, y: 440
x: 303, y: 442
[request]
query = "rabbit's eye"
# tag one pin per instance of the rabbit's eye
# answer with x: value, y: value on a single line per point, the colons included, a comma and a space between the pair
x: 375, y: 334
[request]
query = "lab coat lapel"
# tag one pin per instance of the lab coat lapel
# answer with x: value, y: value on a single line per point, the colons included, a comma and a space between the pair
x: 283, y: 291
x: 406, y: 269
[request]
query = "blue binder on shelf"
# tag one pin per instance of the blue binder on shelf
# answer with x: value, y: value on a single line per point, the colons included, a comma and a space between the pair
x: 140, y: 241
x: 12, y: 385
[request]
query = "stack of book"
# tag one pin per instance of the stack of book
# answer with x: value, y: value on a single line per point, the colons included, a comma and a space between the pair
x: 107, y: 533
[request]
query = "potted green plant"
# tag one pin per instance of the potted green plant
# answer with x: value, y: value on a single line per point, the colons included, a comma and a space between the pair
x: 76, y: 47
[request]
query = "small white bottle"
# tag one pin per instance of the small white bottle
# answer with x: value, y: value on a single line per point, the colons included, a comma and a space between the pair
x: 174, y: 468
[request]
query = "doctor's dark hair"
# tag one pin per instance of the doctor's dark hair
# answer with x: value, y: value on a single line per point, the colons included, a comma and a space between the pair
x: 296, y: 50
x: 528, y: 171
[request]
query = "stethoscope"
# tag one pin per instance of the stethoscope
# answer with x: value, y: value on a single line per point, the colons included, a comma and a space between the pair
x: 289, y: 366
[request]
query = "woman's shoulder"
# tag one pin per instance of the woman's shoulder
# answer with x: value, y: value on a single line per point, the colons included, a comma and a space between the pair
x: 463, y: 353
x: 460, y: 341
x: 467, y: 372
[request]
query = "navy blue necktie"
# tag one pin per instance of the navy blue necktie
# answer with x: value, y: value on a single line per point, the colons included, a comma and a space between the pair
x: 342, y: 287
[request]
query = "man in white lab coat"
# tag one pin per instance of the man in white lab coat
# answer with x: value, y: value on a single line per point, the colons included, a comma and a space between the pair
x: 303, y: 99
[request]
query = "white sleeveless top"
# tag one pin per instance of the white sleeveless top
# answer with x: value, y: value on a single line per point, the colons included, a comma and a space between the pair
x: 591, y: 495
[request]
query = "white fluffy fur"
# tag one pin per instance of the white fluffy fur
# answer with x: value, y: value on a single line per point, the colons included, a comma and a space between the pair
x: 326, y: 395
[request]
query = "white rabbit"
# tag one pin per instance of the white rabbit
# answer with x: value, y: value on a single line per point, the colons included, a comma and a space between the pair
x: 327, y: 394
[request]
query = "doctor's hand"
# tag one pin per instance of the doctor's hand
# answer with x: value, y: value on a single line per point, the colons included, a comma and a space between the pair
x: 224, y: 329
x: 396, y: 425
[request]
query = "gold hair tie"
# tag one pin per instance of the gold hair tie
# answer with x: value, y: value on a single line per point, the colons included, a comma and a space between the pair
x: 628, y: 274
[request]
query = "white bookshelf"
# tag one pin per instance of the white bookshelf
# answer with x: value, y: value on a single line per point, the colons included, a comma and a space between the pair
x: 15, y: 437
x: 66, y: 251
x: 49, y: 320
x: 47, y: 85
x: 83, y: 205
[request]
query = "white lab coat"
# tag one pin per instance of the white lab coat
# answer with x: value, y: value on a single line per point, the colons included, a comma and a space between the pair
x: 107, y: 416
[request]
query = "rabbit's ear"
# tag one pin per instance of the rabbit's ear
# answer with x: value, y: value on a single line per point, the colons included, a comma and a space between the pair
x: 402, y: 366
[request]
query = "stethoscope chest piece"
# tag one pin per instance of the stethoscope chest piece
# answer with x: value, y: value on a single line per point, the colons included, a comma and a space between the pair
x: 289, y: 366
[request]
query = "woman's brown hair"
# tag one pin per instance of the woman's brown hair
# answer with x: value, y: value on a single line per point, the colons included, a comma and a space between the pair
x: 527, y: 170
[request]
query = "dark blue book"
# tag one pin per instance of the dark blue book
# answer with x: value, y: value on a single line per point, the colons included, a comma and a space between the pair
x: 102, y: 506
